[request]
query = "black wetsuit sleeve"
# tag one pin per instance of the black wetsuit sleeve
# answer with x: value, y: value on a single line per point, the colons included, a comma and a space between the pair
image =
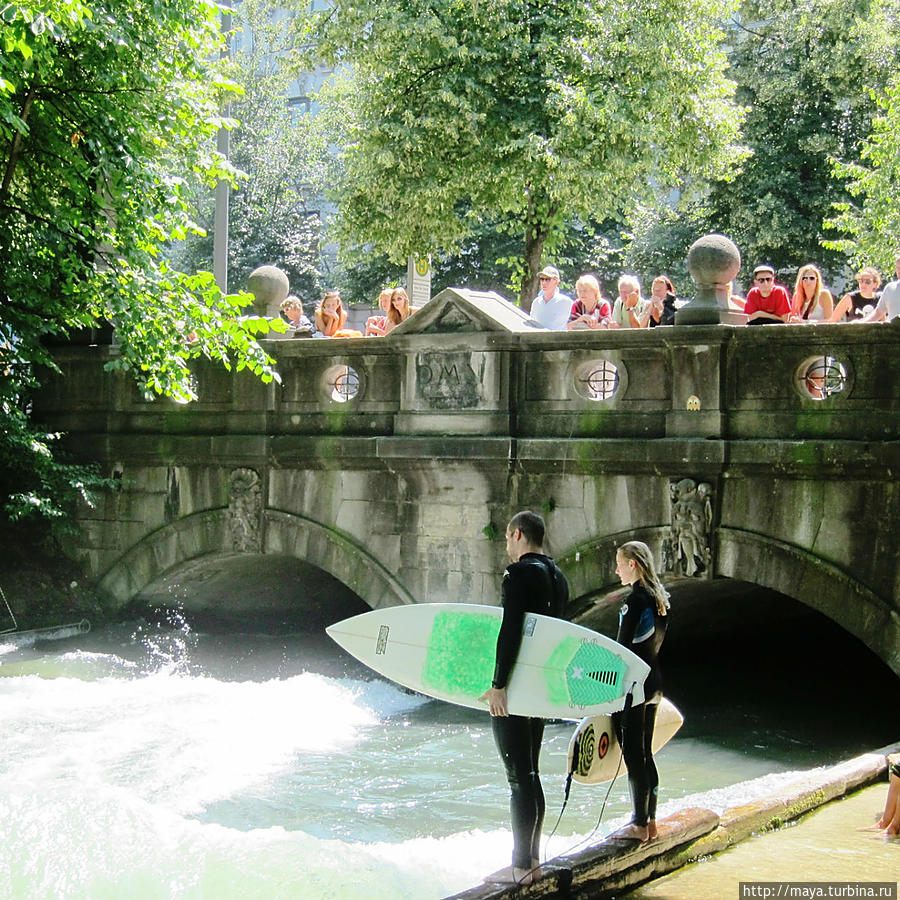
x: 509, y: 639
x: 628, y: 622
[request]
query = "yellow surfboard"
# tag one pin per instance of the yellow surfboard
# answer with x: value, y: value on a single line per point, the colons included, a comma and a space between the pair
x: 594, y: 752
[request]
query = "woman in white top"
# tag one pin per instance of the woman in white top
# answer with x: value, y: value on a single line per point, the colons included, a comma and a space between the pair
x: 811, y: 301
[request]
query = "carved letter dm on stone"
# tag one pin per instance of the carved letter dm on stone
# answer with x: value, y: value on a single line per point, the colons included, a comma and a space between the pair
x: 245, y: 509
x: 687, y: 550
x: 447, y: 380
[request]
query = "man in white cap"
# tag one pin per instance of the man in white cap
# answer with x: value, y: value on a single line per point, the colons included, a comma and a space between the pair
x: 767, y: 302
x: 551, y: 308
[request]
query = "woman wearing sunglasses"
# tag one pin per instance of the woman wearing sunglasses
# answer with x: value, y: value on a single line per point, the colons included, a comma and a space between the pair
x: 811, y: 300
x: 853, y: 304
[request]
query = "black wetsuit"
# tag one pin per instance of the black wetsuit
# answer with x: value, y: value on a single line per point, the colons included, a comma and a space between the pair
x: 534, y: 584
x: 641, y: 630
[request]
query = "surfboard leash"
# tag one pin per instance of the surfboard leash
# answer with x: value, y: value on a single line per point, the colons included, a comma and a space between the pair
x: 628, y: 703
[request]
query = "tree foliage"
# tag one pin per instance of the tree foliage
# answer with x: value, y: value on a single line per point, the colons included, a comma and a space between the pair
x: 281, y: 154
x: 107, y: 107
x: 871, y: 221
x: 805, y: 71
x: 524, y: 111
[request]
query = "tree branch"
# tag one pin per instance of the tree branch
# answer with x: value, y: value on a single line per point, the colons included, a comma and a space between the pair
x: 16, y: 148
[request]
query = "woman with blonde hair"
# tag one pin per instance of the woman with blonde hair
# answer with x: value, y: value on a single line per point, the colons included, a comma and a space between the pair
x: 399, y: 310
x: 330, y: 314
x: 643, y: 620
x: 811, y: 300
x: 590, y: 310
x: 853, y: 304
x: 375, y: 324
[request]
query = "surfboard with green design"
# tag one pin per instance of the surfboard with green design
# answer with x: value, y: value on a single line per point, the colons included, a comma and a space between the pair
x: 447, y: 651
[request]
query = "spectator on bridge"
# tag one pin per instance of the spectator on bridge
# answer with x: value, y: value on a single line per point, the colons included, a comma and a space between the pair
x: 292, y: 307
x: 811, y: 301
x: 630, y: 310
x: 859, y: 303
x: 735, y: 301
x: 399, y: 310
x: 330, y: 314
x: 767, y: 303
x: 375, y: 325
x: 662, y: 302
x: 590, y: 310
x: 551, y: 307
x: 889, y: 305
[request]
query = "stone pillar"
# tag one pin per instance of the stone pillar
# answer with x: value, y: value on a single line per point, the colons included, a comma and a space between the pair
x: 269, y: 285
x: 713, y: 262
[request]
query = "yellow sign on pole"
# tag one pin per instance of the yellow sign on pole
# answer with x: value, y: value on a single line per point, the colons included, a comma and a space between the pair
x: 418, y: 279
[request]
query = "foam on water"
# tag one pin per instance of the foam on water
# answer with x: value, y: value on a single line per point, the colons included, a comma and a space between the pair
x: 184, y: 742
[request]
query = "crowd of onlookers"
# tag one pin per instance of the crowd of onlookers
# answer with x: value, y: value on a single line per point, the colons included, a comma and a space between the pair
x: 766, y: 303
x: 330, y: 317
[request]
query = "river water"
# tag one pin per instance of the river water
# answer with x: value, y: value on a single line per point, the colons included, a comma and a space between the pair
x: 157, y: 761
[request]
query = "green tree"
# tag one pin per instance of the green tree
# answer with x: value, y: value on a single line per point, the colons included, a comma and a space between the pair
x: 523, y: 111
x: 805, y: 71
x: 107, y: 107
x: 281, y: 153
x: 871, y: 222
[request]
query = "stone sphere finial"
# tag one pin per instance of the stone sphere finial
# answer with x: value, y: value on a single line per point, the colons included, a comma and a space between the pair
x: 269, y: 285
x: 713, y: 261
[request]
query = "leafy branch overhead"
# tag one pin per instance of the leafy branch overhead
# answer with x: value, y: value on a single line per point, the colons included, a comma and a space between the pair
x: 106, y: 110
x: 533, y: 111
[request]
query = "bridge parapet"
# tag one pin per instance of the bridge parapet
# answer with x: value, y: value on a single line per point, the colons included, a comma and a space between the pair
x: 405, y: 455
x: 828, y: 382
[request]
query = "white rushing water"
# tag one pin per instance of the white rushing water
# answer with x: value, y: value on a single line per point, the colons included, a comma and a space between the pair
x: 136, y: 763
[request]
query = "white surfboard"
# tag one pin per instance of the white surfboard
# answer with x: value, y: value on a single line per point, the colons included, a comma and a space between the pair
x: 447, y: 651
x: 594, y: 752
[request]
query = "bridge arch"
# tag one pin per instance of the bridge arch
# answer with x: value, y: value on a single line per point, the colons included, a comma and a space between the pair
x: 749, y: 558
x: 797, y: 573
x: 208, y: 534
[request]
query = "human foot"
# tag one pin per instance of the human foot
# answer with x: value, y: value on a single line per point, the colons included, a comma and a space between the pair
x: 652, y: 832
x: 633, y: 833
x: 512, y: 875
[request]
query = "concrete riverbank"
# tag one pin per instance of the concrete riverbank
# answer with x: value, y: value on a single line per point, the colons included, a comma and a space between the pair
x: 614, y: 866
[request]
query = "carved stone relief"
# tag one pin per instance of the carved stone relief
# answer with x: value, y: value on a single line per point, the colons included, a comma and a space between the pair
x: 245, y: 510
x: 453, y: 321
x: 687, y: 550
x: 447, y: 380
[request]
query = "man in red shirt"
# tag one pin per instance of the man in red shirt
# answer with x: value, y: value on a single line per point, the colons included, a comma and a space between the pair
x: 767, y: 302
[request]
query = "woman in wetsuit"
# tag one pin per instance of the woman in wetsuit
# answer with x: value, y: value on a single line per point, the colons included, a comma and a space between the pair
x: 643, y: 620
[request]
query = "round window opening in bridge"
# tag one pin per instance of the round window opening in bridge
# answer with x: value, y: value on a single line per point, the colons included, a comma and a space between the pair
x: 597, y: 380
x: 821, y: 376
x: 341, y: 384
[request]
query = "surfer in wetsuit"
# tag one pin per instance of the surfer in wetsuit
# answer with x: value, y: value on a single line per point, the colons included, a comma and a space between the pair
x: 532, y: 583
x: 643, y: 620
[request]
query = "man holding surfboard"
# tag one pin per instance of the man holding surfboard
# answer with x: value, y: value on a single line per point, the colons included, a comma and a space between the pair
x: 532, y: 583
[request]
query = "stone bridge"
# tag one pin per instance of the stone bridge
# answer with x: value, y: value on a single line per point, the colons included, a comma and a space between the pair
x: 743, y: 456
